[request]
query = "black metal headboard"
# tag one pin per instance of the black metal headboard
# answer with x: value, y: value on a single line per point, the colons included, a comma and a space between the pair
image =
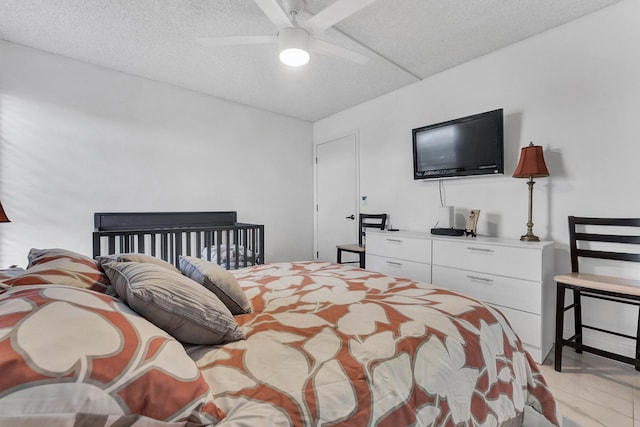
x: 216, y: 236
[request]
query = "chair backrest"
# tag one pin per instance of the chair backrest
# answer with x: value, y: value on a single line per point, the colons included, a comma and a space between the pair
x: 377, y: 221
x: 606, y: 232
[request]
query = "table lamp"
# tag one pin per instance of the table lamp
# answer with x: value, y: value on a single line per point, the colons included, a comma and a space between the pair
x: 531, y: 165
x: 3, y: 216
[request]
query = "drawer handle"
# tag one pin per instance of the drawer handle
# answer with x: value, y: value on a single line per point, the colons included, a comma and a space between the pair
x: 394, y: 240
x: 480, y: 249
x: 397, y: 264
x: 483, y: 279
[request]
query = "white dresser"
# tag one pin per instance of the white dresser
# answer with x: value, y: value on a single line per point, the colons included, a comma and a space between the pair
x: 515, y: 277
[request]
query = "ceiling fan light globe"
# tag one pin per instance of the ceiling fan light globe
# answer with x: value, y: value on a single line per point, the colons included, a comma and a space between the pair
x: 294, y: 57
x: 293, y: 44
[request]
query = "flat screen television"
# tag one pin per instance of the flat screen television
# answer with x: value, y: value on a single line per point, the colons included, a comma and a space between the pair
x: 466, y: 146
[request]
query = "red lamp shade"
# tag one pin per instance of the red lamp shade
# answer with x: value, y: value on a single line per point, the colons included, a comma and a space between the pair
x: 3, y: 216
x: 531, y: 163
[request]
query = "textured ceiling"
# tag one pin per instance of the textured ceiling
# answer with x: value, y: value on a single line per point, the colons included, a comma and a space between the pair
x: 406, y: 41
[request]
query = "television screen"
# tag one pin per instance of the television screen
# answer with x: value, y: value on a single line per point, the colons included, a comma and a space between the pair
x: 470, y: 145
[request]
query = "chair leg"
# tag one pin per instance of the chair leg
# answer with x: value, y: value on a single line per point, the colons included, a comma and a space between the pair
x: 637, y: 364
x: 339, y: 256
x: 559, y: 326
x: 577, y: 316
x: 362, y: 259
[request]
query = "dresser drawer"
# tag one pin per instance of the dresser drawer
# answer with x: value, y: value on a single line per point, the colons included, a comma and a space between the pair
x: 504, y: 291
x: 400, y: 247
x: 513, y: 261
x: 399, y: 268
x: 526, y: 325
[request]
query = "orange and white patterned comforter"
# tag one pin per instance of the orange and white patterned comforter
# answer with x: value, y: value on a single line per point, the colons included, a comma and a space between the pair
x: 329, y: 344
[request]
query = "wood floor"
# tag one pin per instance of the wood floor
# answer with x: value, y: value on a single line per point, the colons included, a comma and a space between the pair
x: 594, y: 391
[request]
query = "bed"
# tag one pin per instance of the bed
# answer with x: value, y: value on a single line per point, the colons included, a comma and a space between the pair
x: 293, y: 344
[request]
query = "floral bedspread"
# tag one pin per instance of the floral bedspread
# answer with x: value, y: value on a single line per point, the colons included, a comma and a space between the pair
x: 330, y: 344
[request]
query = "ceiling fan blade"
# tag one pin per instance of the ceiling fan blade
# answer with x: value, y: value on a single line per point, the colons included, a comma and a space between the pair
x: 334, y: 14
x: 330, y: 49
x: 274, y: 12
x: 235, y: 40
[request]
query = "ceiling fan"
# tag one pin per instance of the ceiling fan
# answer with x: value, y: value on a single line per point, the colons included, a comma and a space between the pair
x: 295, y: 40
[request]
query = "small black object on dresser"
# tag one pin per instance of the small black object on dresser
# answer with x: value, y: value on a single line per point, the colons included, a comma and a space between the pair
x: 447, y: 231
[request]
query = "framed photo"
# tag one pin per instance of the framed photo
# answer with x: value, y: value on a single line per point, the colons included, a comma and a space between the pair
x: 472, y: 222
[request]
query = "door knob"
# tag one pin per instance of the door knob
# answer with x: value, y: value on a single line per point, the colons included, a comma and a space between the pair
x: 350, y: 217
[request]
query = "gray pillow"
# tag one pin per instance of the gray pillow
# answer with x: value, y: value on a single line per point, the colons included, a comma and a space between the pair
x: 133, y: 257
x: 217, y: 280
x: 174, y: 303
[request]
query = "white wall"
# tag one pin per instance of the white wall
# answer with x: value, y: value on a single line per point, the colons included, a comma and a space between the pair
x: 77, y: 139
x: 574, y: 90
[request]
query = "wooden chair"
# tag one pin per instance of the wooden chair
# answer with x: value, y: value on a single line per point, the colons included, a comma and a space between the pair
x: 597, y: 286
x: 377, y: 221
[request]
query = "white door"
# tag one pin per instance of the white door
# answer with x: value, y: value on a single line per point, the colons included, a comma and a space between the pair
x: 336, y: 196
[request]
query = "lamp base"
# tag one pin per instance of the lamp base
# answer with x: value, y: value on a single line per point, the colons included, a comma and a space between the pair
x: 530, y: 237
